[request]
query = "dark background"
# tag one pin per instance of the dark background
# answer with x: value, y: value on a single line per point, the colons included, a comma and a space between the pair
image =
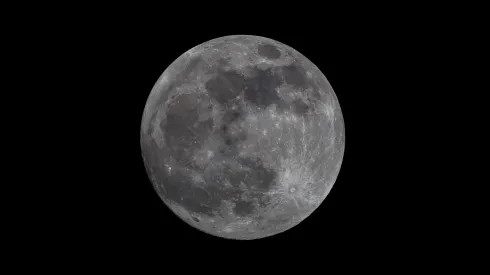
x: 86, y: 73
x: 360, y: 206
x: 371, y: 206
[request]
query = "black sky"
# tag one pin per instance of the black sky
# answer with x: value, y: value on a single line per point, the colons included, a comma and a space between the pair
x: 369, y: 204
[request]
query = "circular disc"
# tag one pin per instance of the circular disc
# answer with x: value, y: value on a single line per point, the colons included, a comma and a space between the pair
x: 242, y: 137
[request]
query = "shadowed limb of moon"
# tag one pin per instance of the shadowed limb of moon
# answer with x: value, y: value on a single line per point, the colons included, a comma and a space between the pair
x: 242, y: 137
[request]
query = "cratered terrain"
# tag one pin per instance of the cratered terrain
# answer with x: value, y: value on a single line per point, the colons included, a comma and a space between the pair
x: 242, y: 137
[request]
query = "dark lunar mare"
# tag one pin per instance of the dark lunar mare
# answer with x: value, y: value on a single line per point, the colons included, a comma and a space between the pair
x: 260, y: 90
x: 268, y: 51
x: 179, y: 188
x: 300, y: 107
x: 180, y: 133
x: 295, y: 76
x: 184, y: 134
x: 225, y: 86
x: 232, y: 115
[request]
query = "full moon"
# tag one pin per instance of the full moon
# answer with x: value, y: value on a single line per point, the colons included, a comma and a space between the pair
x: 242, y: 137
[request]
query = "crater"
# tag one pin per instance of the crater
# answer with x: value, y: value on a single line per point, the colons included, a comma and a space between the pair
x: 268, y: 51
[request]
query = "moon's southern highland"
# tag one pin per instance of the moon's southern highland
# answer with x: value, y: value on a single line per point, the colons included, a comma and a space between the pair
x: 242, y: 137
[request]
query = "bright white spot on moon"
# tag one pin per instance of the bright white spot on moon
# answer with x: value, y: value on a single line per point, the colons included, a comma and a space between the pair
x: 228, y: 229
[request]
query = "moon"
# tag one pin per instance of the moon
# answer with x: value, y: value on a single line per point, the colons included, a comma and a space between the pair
x: 242, y: 137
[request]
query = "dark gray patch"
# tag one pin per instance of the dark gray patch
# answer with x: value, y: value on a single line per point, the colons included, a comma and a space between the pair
x: 224, y: 128
x: 268, y: 51
x: 181, y: 129
x: 295, y: 75
x: 284, y: 106
x: 228, y: 148
x: 171, y: 183
x: 300, y: 107
x: 219, y: 90
x: 244, y: 208
x: 223, y: 62
x: 199, y: 200
x: 228, y: 141
x: 231, y: 116
x: 236, y: 80
x: 180, y: 104
x: 177, y: 129
x: 195, y: 219
x: 231, y: 139
x: 259, y: 176
x: 260, y: 90
x: 203, y: 128
x: 228, y: 145
x: 225, y: 86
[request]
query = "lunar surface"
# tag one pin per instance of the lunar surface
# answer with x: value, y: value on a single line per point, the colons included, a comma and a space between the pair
x: 242, y: 137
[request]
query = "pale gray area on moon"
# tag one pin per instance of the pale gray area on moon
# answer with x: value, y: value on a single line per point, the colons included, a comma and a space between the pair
x: 242, y: 137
